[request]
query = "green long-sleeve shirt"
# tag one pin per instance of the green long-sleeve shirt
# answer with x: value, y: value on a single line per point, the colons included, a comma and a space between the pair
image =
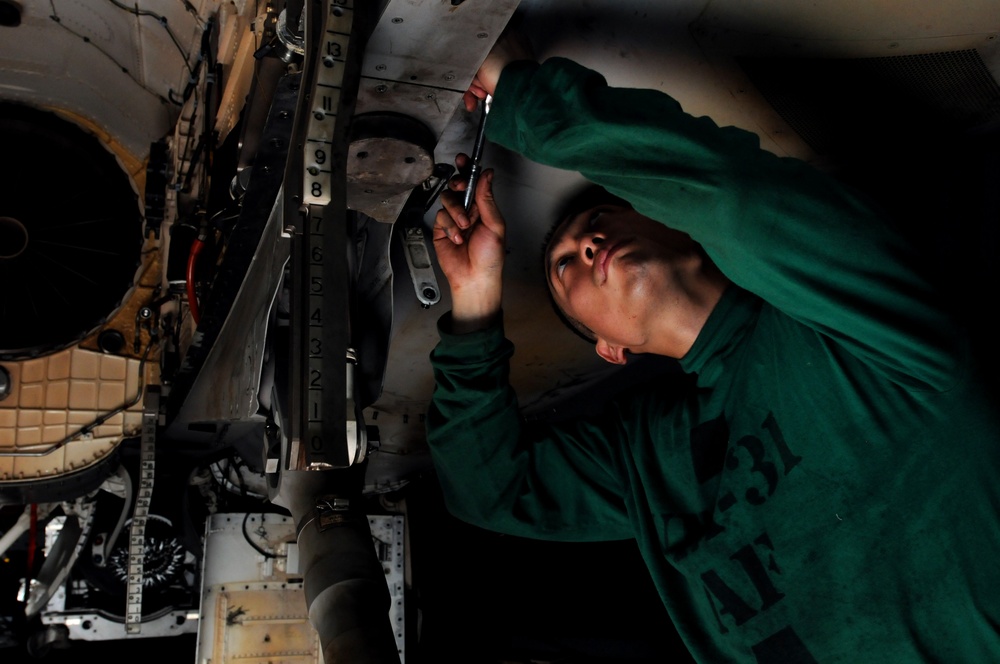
x: 827, y: 487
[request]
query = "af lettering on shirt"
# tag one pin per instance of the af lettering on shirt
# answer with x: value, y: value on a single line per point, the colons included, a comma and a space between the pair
x: 762, y: 460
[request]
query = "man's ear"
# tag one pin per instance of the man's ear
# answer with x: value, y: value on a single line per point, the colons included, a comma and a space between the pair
x: 613, y: 354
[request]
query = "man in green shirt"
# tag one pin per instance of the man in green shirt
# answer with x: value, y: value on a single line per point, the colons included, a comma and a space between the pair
x: 826, y: 488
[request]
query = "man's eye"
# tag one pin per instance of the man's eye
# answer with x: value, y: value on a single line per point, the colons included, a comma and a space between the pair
x: 561, y: 263
x: 593, y: 217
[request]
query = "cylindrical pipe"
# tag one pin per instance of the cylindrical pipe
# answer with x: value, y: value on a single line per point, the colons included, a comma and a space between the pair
x: 345, y: 588
x: 21, y: 526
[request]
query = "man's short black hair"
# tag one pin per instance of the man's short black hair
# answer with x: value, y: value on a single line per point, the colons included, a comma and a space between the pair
x: 587, y: 198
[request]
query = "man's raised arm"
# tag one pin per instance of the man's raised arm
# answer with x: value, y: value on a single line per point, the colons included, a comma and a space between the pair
x: 808, y: 245
x: 496, y: 473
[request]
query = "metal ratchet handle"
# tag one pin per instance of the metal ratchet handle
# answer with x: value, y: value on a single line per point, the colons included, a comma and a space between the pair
x: 477, y: 155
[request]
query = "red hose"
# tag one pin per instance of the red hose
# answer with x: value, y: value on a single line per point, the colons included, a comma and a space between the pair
x: 196, y: 248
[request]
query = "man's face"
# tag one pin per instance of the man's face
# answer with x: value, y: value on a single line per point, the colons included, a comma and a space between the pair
x: 615, y: 271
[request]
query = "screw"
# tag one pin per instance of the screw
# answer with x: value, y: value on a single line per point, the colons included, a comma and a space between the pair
x: 482, y: 35
x: 381, y: 88
x: 379, y: 67
x: 319, y: 115
x: 397, y: 20
x: 449, y: 77
x: 430, y: 293
x: 313, y: 170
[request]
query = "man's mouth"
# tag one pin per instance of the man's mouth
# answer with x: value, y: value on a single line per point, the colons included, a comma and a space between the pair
x: 603, y: 260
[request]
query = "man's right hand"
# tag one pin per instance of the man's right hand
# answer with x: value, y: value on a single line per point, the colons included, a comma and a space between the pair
x: 509, y: 48
x: 470, y: 250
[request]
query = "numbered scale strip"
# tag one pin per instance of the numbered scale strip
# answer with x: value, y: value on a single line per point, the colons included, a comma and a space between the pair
x: 143, y: 499
x: 324, y: 275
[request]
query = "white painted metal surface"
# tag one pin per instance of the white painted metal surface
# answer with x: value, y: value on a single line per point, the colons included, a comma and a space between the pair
x: 253, y: 607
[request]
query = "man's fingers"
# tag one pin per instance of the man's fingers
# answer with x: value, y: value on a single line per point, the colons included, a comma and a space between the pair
x: 460, y: 181
x: 445, y: 228
x: 489, y: 213
x: 472, y: 96
x: 471, y: 101
x: 454, y: 206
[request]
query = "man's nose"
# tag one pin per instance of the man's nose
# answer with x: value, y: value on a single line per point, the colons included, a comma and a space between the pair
x: 590, y: 245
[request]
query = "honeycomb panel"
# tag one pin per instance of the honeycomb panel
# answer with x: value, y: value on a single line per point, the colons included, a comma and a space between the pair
x: 55, y: 396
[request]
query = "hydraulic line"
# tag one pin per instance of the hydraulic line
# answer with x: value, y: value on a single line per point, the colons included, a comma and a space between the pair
x: 196, y: 246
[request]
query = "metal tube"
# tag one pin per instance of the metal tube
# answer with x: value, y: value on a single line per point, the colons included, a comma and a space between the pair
x: 345, y: 588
